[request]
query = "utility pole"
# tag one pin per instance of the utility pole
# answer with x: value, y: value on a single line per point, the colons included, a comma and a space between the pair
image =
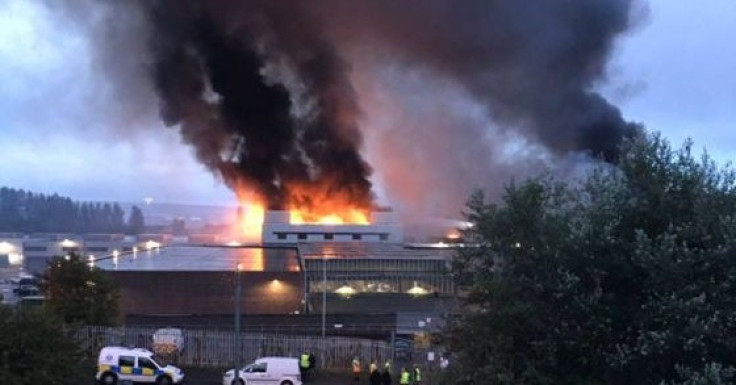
x: 238, y: 349
x: 324, y: 295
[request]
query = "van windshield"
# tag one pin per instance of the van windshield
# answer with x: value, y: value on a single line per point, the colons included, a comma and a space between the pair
x: 149, y: 363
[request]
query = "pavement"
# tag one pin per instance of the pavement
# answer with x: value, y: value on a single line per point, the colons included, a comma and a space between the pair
x: 214, y: 377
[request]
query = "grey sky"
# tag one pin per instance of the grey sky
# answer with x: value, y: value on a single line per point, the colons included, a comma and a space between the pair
x: 674, y: 73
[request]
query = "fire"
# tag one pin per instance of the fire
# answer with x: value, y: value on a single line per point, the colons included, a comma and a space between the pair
x: 348, y: 216
x: 317, y: 203
x: 326, y: 204
x: 251, y: 221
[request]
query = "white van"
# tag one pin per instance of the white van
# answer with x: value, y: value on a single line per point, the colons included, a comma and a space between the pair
x: 267, y: 370
x: 134, y: 364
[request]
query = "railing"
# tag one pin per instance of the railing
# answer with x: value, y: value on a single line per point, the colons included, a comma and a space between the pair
x: 217, y: 348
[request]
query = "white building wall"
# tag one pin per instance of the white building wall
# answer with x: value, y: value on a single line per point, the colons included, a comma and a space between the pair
x: 385, y: 228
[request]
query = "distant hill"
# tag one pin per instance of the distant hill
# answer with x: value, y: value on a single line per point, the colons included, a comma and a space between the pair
x: 195, y: 215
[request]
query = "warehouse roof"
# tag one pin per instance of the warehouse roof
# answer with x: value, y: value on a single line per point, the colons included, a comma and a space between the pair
x: 204, y: 258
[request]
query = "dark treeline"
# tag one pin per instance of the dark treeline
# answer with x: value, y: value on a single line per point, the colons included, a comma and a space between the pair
x: 27, y: 212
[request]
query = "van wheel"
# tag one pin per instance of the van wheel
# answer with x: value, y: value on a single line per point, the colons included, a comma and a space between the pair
x: 238, y: 382
x: 286, y: 383
x: 109, y: 379
x: 163, y: 380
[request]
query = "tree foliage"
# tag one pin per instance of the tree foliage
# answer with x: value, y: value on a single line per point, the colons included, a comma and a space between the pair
x: 35, y: 350
x: 78, y: 293
x: 627, y: 277
x: 136, y: 221
x: 28, y: 212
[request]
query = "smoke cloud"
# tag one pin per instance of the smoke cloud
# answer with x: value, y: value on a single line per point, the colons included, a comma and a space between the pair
x: 276, y: 97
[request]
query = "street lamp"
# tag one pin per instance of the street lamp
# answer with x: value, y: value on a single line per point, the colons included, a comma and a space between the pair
x: 324, y: 295
x: 238, y: 349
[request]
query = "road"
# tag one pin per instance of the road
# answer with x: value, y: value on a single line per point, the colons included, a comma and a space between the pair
x: 214, y: 377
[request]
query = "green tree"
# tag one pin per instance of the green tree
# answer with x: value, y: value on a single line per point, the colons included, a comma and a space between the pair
x: 136, y: 221
x: 627, y: 277
x: 35, y: 350
x: 78, y: 293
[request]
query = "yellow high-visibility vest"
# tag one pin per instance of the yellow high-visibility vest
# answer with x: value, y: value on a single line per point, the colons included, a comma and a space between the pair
x: 304, y: 361
x: 405, y: 380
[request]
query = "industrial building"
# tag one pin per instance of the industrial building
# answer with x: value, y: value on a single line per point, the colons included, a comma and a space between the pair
x: 384, y: 227
x: 301, y: 277
x: 333, y: 278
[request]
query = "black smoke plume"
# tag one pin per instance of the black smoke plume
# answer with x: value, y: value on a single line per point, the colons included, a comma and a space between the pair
x: 264, y: 89
x: 210, y: 68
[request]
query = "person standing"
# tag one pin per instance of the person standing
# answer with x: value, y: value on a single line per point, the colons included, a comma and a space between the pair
x: 304, y: 365
x: 356, y: 370
x: 312, y: 361
x: 375, y: 376
x: 373, y: 367
x: 405, y: 378
x: 386, y: 375
x: 417, y: 377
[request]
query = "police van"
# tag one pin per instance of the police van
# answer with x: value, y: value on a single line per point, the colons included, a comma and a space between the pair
x: 118, y: 364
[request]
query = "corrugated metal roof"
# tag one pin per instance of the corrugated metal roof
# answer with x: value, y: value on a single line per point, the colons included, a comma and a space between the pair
x: 204, y: 258
x: 371, y: 250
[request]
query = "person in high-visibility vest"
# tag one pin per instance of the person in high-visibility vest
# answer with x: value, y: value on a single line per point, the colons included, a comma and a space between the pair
x: 304, y: 365
x: 356, y: 370
x: 417, y: 375
x: 405, y: 378
x: 386, y: 375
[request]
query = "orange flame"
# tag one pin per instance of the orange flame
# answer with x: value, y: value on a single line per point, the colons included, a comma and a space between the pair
x: 348, y: 216
x: 325, y: 204
x: 307, y: 204
x: 251, y: 222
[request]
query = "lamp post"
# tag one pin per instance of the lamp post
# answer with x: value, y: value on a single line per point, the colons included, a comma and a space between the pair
x: 238, y: 349
x: 324, y: 295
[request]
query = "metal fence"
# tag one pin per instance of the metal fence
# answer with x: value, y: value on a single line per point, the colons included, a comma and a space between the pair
x: 217, y: 348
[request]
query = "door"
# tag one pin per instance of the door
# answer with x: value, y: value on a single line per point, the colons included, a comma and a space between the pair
x: 126, y: 364
x: 257, y: 374
x: 146, y: 370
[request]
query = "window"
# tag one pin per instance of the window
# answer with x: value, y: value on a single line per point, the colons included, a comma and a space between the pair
x: 145, y: 363
x: 70, y: 249
x: 357, y: 237
x: 302, y: 236
x: 34, y: 248
x: 94, y: 248
x: 281, y: 235
x: 384, y: 237
x: 329, y: 236
x: 256, y: 368
x: 126, y: 361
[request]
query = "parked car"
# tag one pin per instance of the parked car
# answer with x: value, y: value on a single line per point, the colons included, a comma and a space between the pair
x: 266, y: 370
x: 117, y: 364
x: 26, y: 286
